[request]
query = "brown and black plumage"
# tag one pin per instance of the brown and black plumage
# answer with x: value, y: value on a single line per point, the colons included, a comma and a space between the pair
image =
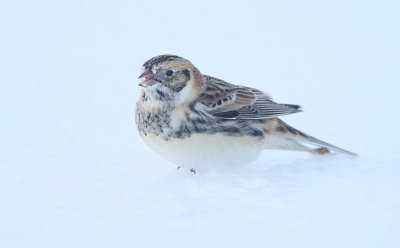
x: 201, y: 122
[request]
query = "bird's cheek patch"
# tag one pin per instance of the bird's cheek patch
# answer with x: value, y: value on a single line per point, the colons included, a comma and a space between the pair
x: 176, y: 86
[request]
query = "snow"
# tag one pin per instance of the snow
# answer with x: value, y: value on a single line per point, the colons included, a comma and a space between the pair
x: 74, y: 172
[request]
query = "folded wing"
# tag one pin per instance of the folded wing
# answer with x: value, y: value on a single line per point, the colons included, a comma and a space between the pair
x: 230, y: 101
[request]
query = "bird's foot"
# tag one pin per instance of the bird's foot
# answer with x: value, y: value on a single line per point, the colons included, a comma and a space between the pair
x: 192, y: 170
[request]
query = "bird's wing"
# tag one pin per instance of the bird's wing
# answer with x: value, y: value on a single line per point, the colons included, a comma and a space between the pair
x: 230, y: 101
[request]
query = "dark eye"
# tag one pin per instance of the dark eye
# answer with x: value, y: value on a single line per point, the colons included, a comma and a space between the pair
x: 169, y: 73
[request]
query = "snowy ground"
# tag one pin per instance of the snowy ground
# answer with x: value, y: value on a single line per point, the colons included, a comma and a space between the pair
x: 74, y: 172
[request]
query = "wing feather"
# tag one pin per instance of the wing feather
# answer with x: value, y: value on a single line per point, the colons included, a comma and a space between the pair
x: 231, y: 101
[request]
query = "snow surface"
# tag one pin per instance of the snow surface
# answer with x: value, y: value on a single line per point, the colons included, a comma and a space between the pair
x: 74, y: 172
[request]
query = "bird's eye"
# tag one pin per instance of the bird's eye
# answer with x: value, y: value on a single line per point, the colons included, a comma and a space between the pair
x: 169, y: 73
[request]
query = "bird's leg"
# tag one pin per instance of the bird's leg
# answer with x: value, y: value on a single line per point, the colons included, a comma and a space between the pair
x: 193, y: 170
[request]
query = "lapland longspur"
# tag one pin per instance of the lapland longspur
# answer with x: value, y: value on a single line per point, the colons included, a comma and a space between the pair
x: 204, y: 123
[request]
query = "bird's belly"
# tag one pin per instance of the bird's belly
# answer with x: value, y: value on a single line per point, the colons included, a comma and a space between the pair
x: 206, y: 152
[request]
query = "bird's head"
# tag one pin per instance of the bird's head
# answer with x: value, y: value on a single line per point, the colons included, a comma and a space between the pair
x: 171, y: 77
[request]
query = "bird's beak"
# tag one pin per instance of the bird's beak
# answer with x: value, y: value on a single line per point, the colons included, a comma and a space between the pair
x: 149, y: 78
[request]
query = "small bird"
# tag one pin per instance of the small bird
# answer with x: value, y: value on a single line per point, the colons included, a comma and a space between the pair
x: 203, y: 123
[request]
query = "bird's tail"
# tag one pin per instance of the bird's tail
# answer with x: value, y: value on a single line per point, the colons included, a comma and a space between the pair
x: 299, y: 137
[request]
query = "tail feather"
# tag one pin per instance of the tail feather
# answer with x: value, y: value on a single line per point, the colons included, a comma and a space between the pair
x: 305, y: 138
x: 314, y: 141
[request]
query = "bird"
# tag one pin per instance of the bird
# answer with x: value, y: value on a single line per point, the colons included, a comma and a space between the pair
x: 203, y: 123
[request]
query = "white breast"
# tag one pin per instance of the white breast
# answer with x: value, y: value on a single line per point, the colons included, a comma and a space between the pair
x: 207, y: 152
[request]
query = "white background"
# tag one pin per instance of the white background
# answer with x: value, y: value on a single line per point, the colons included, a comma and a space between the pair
x: 74, y: 172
